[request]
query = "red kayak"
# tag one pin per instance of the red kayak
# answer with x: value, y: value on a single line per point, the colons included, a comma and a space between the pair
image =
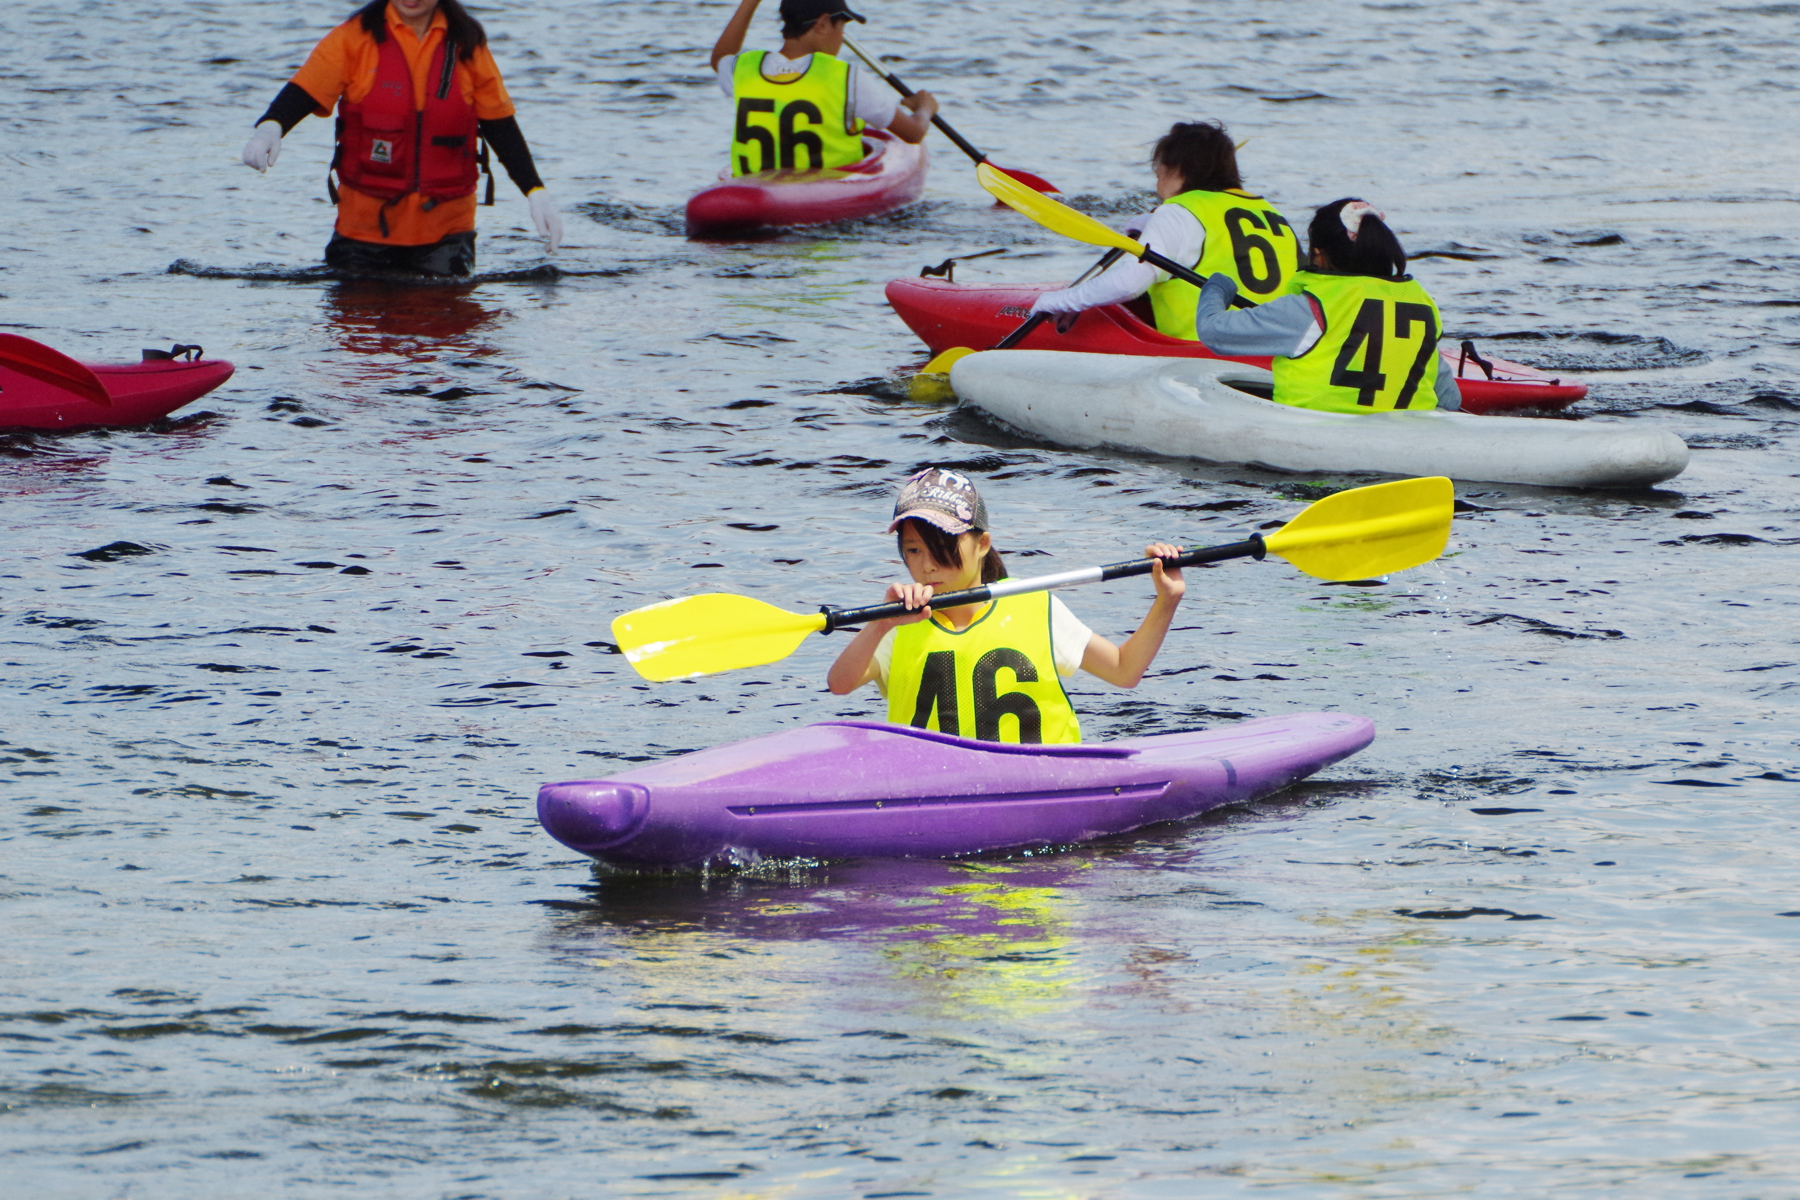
x: 946, y: 315
x: 890, y: 177
x: 41, y: 388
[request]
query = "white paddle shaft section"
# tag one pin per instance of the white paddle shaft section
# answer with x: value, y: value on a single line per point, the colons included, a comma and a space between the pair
x: 1045, y: 583
x: 839, y: 618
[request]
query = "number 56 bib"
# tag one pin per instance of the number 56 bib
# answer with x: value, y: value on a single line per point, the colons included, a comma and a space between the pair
x: 1379, y: 350
x: 800, y: 123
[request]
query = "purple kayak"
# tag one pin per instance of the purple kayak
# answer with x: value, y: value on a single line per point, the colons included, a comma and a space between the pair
x: 851, y: 789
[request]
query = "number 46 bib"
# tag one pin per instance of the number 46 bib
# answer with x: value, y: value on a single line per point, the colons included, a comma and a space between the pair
x: 994, y: 680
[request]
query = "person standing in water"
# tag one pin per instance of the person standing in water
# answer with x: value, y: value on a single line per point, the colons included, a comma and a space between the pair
x: 988, y: 671
x: 1359, y: 336
x: 416, y: 90
x: 802, y: 107
x: 1206, y: 221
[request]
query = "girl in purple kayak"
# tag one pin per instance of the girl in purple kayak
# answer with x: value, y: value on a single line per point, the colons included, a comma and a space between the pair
x: 988, y: 671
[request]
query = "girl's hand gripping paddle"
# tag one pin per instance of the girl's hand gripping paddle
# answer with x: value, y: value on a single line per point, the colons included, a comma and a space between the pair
x: 1357, y: 534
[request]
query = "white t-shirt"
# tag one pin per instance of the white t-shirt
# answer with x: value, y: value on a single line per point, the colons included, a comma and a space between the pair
x: 1068, y: 644
x: 870, y: 100
x: 1172, y: 231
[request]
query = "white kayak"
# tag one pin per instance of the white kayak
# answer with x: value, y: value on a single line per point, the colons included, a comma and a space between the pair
x: 1195, y: 408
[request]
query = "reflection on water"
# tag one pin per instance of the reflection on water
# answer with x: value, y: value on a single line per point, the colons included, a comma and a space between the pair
x: 996, y: 942
x: 992, y: 934
x: 399, y: 321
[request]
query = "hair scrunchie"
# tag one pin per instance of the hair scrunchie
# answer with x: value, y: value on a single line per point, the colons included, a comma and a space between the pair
x: 1352, y: 215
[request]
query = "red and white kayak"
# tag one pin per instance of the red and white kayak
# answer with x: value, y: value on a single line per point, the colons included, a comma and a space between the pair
x: 41, y: 388
x: 946, y: 315
x: 891, y: 176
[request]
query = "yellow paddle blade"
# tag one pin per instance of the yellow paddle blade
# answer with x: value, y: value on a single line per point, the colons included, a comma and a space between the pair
x: 932, y: 384
x: 1369, y: 531
x: 930, y: 389
x: 942, y: 363
x: 1051, y: 214
x: 707, y: 634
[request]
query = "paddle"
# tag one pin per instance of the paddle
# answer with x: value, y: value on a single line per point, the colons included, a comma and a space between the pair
x: 939, y: 367
x: 53, y: 367
x: 1060, y: 218
x: 1356, y: 534
x: 1026, y: 178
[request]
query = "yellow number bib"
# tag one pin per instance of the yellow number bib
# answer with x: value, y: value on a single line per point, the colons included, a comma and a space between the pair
x: 801, y: 123
x: 1379, y: 351
x: 1245, y: 239
x: 995, y: 680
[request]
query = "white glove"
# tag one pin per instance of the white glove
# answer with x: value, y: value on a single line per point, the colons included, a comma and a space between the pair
x: 264, y: 146
x: 545, y: 217
x: 1135, y: 226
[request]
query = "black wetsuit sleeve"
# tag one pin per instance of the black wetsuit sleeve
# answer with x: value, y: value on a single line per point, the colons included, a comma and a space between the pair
x: 290, y: 108
x: 509, y: 145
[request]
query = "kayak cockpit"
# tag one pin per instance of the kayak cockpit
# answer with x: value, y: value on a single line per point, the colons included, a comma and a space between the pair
x: 949, y: 739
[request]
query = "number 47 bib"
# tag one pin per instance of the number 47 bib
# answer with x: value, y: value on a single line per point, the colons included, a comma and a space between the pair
x: 1379, y: 351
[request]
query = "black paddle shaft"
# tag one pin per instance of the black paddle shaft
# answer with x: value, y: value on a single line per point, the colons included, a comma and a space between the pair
x: 1250, y: 547
x: 1022, y: 332
x: 1186, y: 275
x: 962, y: 143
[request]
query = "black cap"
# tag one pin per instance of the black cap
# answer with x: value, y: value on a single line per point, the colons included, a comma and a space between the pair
x: 805, y: 12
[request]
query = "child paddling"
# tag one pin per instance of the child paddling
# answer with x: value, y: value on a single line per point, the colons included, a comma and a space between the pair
x: 989, y: 671
x: 801, y: 107
x: 1360, y: 334
x: 1207, y: 222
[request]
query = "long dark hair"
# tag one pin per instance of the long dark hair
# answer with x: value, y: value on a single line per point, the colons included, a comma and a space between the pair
x: 1374, y: 251
x: 945, y: 551
x: 459, y: 27
x: 1202, y: 153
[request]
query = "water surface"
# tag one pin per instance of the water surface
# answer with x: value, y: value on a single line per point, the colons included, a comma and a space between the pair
x: 1535, y: 940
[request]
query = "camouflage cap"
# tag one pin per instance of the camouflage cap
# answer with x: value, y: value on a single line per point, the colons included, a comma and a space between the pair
x: 943, y: 498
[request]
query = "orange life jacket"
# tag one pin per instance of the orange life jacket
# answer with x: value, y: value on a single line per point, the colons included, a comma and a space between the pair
x: 388, y: 149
